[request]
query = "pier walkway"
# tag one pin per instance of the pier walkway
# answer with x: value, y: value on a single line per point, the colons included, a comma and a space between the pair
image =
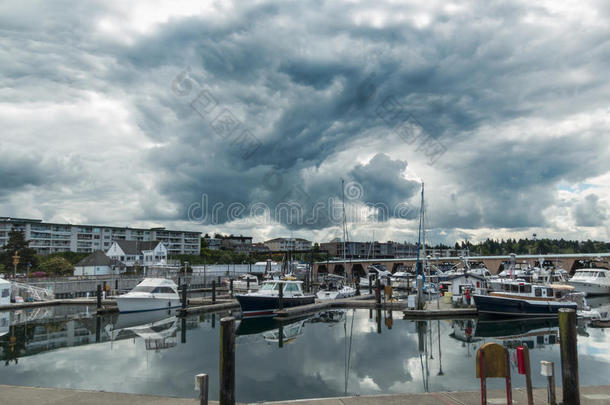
x: 16, y: 395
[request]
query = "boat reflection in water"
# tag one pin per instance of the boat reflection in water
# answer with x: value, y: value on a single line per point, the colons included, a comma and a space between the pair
x: 269, y: 330
x: 157, y: 328
x: 513, y: 333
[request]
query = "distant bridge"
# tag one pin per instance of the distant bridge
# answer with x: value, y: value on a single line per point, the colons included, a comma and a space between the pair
x: 493, y: 263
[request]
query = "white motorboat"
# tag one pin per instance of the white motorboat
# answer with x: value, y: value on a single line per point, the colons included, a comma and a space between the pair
x: 245, y: 282
x: 378, y: 273
x: 334, y: 288
x: 150, y: 295
x: 591, y: 281
x: 402, y: 280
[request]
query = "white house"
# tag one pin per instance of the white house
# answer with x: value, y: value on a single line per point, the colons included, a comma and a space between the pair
x: 97, y: 263
x: 5, y: 292
x: 131, y: 252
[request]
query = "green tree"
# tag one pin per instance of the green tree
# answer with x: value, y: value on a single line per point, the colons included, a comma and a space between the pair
x: 57, y: 265
x: 16, y: 242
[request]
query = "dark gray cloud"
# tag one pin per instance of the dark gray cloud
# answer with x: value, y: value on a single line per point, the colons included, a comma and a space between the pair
x: 307, y: 84
x: 590, y: 211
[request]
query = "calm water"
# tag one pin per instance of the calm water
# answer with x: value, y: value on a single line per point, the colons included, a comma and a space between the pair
x: 330, y: 354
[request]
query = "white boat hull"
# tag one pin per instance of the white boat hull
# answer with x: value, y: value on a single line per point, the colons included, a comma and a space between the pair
x: 335, y: 295
x: 139, y: 304
x: 590, y: 288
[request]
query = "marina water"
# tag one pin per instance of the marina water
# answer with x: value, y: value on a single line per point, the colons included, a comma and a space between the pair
x: 333, y: 353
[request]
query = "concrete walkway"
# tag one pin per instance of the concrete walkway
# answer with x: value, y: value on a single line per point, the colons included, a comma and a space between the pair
x: 16, y: 395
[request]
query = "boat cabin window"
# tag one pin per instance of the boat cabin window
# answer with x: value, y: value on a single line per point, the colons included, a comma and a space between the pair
x: 527, y: 288
x: 291, y: 288
x: 538, y: 292
x: 549, y: 292
x: 557, y: 294
x: 601, y: 274
x: 144, y: 288
x: 6, y: 292
x: 163, y: 290
x: 269, y: 287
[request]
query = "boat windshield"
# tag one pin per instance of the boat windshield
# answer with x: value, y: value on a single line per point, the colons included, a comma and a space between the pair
x: 269, y: 287
x: 153, y: 289
x: 144, y: 288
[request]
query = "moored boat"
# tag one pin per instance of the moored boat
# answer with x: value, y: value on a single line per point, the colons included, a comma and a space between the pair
x: 265, y: 301
x: 150, y: 295
x: 591, y: 281
x: 334, y: 287
x: 522, y: 299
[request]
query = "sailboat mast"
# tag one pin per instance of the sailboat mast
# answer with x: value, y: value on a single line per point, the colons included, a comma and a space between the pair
x: 344, y: 227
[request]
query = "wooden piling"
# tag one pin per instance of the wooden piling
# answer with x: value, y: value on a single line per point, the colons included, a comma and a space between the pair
x: 378, y: 291
x: 184, y: 287
x: 99, y: 296
x: 281, y: 297
x: 231, y: 287
x: 370, y: 284
x: 227, y: 361
x: 213, y: 291
x: 569, y: 356
x: 202, y: 383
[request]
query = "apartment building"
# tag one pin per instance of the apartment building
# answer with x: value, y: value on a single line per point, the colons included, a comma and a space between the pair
x: 370, y: 250
x: 48, y: 237
x: 241, y: 244
x: 288, y: 244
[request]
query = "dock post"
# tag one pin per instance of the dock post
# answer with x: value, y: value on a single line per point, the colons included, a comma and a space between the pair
x: 201, y: 380
x: 569, y: 356
x: 357, y: 287
x: 99, y: 297
x: 281, y: 297
x: 231, y: 287
x: 104, y: 290
x: 213, y: 321
x: 370, y: 284
x: 98, y: 328
x: 184, y: 287
x: 280, y: 336
x: 227, y: 361
x: 248, y: 284
x: 213, y: 291
x: 378, y: 291
x: 183, y: 330
x: 116, y: 286
x: 547, y: 368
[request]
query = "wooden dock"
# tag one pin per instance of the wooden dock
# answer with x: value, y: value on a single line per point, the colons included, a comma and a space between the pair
x: 18, y: 395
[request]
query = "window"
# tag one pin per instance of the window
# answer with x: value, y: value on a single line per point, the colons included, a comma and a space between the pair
x: 549, y: 292
x: 163, y: 290
x: 538, y: 292
x: 269, y: 287
x: 527, y: 288
x: 291, y: 288
x: 601, y: 274
x: 5, y: 293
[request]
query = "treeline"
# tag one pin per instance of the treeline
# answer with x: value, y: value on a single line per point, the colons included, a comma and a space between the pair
x: 530, y: 246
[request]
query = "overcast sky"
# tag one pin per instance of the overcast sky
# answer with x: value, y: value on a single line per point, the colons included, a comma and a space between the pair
x: 243, y: 118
